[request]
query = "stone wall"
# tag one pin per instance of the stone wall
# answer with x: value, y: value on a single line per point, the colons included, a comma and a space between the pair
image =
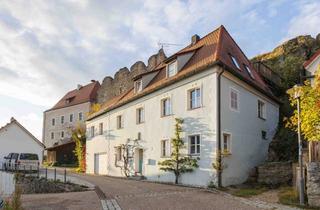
x: 313, y: 183
x: 123, y: 78
x: 275, y: 173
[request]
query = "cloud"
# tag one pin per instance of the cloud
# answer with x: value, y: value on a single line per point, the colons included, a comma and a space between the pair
x: 307, y: 21
x: 48, y: 47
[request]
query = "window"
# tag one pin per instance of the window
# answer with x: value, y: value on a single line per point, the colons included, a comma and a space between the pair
x: 194, y: 145
x: 234, y: 99
x: 235, y: 62
x: 264, y: 135
x: 139, y: 136
x: 80, y: 117
x: 166, y: 107
x: 138, y: 86
x: 92, y: 131
x: 52, y: 135
x: 119, y: 122
x: 53, y: 122
x: 226, y: 143
x: 140, y: 116
x: 62, y: 119
x: 165, y: 148
x: 71, y: 118
x: 62, y: 134
x: 172, y: 69
x: 118, y: 154
x: 261, y: 110
x: 249, y: 71
x: 100, y: 128
x: 194, y: 98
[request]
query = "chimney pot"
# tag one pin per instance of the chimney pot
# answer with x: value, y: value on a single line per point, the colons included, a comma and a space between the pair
x: 194, y: 39
x: 79, y: 87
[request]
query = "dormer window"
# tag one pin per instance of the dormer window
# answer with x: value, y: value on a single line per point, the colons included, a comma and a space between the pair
x: 172, y: 69
x: 249, y: 71
x: 234, y: 61
x: 68, y: 100
x: 138, y: 86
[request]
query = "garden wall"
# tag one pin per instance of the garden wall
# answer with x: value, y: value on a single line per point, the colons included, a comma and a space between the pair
x: 313, y: 183
x: 275, y: 173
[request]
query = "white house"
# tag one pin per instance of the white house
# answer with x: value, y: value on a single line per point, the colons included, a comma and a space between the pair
x: 312, y: 65
x: 16, y: 138
x: 224, y: 103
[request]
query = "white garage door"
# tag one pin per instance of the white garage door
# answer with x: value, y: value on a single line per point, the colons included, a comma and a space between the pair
x: 100, y: 163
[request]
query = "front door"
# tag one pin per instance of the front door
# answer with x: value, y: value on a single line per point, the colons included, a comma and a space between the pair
x: 140, y: 160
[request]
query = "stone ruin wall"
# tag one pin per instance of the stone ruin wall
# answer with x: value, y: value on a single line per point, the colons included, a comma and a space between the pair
x: 123, y: 78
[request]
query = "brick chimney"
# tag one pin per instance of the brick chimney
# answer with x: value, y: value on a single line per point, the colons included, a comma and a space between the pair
x: 194, y: 39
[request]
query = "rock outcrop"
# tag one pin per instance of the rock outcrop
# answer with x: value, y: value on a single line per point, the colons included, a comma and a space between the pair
x: 123, y: 78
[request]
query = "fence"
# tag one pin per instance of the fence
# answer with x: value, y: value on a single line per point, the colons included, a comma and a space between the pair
x: 7, y: 183
x: 34, y: 170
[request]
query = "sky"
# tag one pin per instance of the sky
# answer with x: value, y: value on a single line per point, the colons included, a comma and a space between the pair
x: 48, y: 47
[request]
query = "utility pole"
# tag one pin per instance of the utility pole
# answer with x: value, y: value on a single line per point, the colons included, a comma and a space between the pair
x: 297, y: 95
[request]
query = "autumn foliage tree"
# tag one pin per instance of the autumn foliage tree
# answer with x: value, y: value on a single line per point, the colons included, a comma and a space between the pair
x: 309, y: 109
x: 79, y: 137
x: 178, y: 163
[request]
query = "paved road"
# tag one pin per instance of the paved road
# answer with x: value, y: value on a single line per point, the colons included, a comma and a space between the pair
x: 137, y: 195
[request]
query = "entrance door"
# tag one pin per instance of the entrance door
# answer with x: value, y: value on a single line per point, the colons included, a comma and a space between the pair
x: 140, y: 160
x: 100, y: 163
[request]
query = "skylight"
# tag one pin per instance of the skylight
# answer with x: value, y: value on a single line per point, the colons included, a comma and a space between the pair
x: 235, y: 62
x: 249, y: 71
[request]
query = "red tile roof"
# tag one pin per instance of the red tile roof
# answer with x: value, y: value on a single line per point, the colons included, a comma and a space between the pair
x: 214, y: 48
x: 87, y: 93
x: 313, y: 57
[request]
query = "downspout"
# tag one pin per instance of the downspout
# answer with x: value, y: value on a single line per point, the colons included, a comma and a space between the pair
x: 218, y: 150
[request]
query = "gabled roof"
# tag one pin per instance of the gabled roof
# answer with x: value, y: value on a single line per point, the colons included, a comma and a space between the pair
x: 213, y: 49
x: 313, y: 57
x: 87, y: 93
x: 14, y: 121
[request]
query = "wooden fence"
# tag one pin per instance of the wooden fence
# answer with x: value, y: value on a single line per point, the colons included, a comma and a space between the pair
x: 314, y: 151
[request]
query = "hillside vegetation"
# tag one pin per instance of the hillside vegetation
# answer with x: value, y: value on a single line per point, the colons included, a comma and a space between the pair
x: 287, y: 60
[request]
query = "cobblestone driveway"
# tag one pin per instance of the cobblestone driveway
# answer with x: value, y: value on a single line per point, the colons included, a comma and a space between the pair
x: 138, y: 195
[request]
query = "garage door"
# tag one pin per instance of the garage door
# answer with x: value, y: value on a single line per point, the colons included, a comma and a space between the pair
x: 100, y: 163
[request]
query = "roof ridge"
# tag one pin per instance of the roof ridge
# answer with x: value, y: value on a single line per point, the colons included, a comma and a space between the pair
x: 219, y: 45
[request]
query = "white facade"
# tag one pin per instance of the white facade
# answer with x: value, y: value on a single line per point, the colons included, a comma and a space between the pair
x: 248, y: 149
x: 61, y: 128
x: 313, y: 67
x: 15, y: 138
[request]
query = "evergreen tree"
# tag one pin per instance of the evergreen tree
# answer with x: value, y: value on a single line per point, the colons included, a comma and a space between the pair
x: 178, y: 162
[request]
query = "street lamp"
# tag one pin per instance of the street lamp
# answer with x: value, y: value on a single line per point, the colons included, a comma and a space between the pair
x: 297, y: 96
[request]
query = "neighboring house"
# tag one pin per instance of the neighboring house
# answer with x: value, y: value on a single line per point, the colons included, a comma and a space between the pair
x: 191, y: 84
x: 311, y: 66
x: 58, y: 121
x: 16, y: 138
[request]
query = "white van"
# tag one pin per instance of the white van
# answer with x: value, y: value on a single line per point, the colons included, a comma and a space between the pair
x: 21, y: 161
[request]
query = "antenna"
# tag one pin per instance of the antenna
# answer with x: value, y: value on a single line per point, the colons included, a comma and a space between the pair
x: 164, y: 44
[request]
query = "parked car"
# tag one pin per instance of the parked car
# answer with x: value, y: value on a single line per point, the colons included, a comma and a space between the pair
x: 21, y: 161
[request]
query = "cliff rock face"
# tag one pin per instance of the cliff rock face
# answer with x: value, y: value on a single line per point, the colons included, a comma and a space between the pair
x: 123, y: 78
x: 287, y: 60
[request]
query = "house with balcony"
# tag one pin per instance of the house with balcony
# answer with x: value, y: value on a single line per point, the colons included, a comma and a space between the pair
x: 70, y: 111
x: 229, y: 114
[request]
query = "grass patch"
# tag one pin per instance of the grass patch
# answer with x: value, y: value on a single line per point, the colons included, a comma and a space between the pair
x: 289, y: 196
x: 248, y: 192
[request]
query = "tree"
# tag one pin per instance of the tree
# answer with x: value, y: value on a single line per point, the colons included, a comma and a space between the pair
x: 127, y: 151
x: 79, y: 137
x: 178, y: 162
x: 310, y: 109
